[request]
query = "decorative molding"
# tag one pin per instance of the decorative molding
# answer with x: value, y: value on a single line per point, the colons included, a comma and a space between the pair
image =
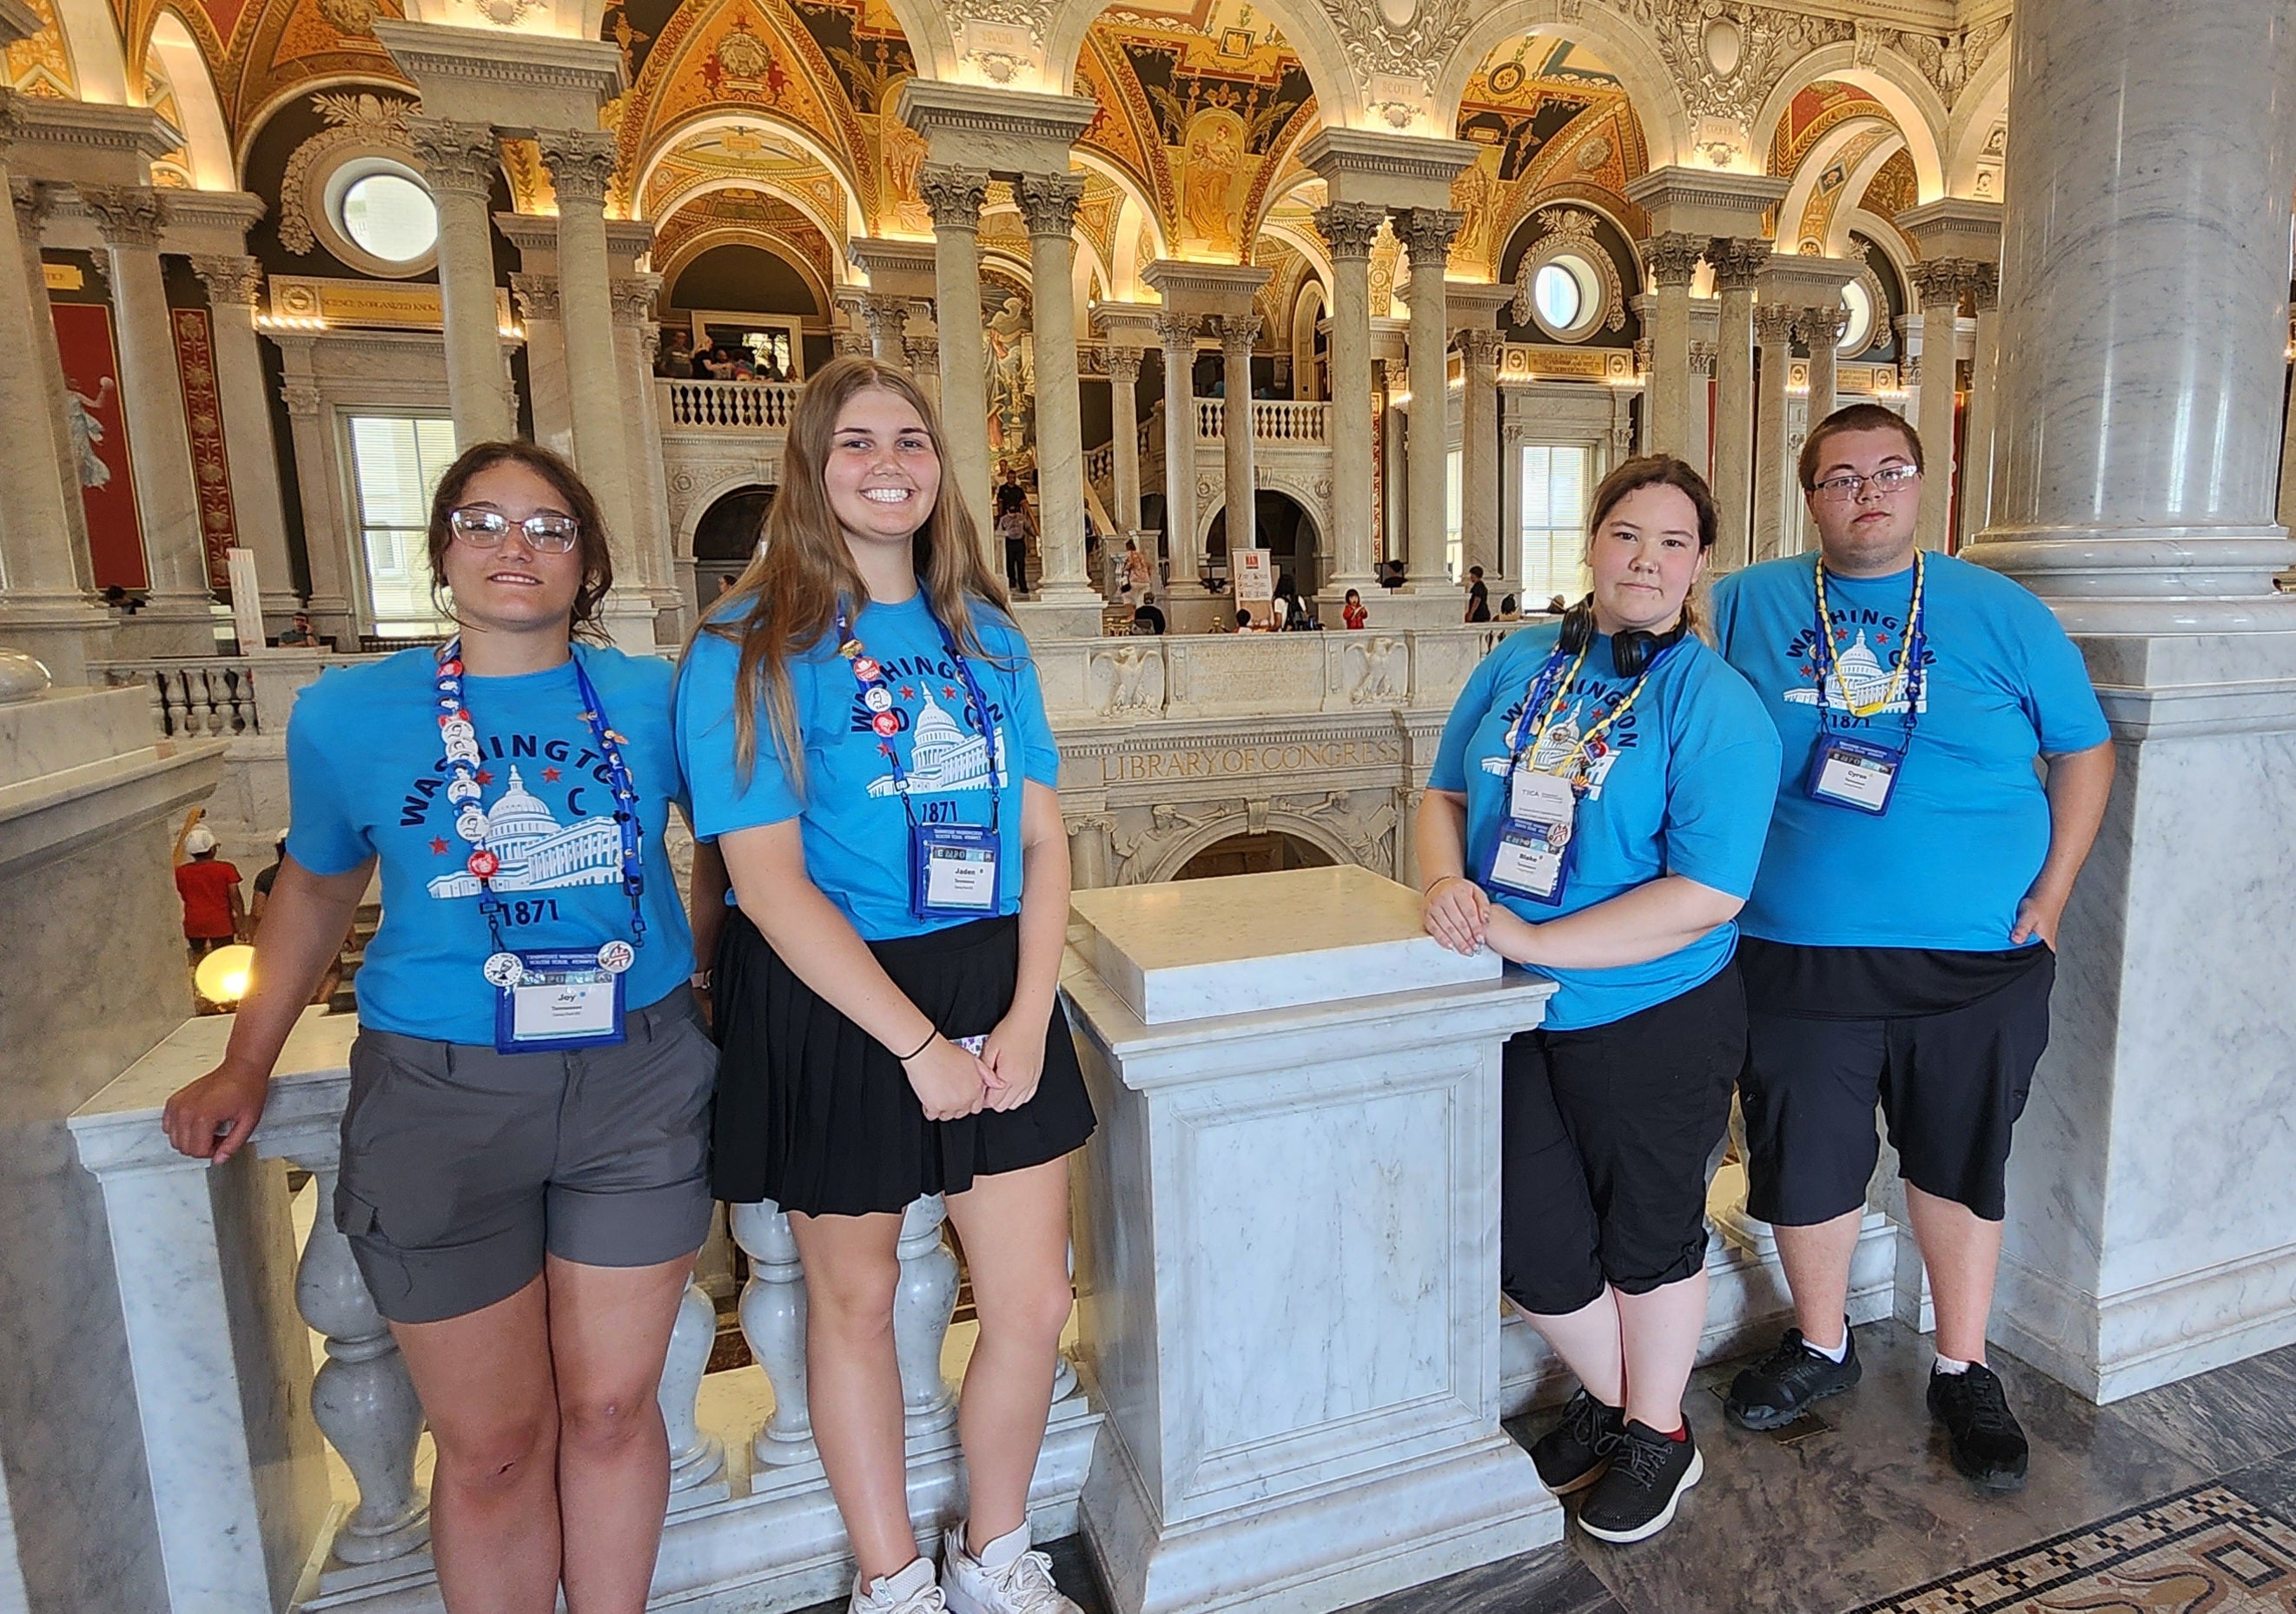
x: 1348, y: 228
x: 1427, y: 234
x: 537, y: 296
x: 1176, y: 331
x: 1985, y: 287
x: 1773, y: 326
x: 432, y: 54
x: 1767, y: 44
x: 127, y: 217
x: 1571, y: 230
x: 633, y: 296
x: 1381, y: 48
x: 229, y: 278
x: 1820, y: 329
x: 363, y: 120
x: 581, y: 163
x: 923, y: 353
x: 1940, y: 280
x: 1048, y: 203
x: 1237, y: 333
x: 1671, y: 258
x: 953, y: 194
x: 1736, y: 260
x: 459, y: 158
x: 1949, y: 61
x: 1123, y: 365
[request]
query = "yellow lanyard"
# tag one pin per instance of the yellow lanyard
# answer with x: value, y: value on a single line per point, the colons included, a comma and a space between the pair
x: 1904, y: 661
x: 1565, y: 769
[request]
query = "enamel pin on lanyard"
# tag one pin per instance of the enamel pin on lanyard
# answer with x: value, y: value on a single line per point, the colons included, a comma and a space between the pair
x: 952, y: 866
x: 1851, y: 770
x: 546, y: 999
x: 1531, y: 855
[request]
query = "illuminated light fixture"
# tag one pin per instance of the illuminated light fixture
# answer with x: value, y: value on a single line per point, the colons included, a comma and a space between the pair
x: 223, y: 976
x: 290, y: 321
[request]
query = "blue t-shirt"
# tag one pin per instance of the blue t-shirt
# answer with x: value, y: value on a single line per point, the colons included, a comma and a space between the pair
x: 1681, y: 784
x: 855, y: 832
x: 367, y: 776
x: 1967, y: 827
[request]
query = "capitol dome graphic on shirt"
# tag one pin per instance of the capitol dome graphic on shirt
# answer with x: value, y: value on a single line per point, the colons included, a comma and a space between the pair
x: 1858, y: 671
x: 942, y: 756
x: 1557, y: 744
x: 537, y: 853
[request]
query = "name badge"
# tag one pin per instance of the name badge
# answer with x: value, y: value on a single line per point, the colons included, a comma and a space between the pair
x: 561, y: 998
x: 953, y: 871
x: 1852, y: 773
x: 1529, y: 858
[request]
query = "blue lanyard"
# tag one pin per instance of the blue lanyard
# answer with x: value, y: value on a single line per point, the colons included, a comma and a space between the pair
x: 1523, y: 735
x: 1913, y: 650
x: 463, y: 791
x: 870, y: 674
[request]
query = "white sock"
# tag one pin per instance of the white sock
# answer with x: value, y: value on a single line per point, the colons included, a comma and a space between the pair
x: 1835, y: 1353
x: 1947, y: 1364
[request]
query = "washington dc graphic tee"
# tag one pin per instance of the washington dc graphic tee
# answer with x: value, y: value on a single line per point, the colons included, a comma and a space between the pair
x: 367, y: 776
x: 855, y: 832
x: 1679, y: 785
x: 1967, y: 827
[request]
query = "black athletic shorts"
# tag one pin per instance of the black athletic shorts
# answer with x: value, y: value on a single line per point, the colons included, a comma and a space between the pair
x: 1951, y: 1076
x: 1604, y: 1138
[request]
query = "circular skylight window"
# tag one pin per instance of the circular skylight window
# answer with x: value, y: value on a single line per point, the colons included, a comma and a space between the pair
x: 391, y: 215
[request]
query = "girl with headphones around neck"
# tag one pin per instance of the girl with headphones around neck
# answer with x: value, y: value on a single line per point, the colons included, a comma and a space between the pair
x: 1596, y: 814
x: 868, y: 744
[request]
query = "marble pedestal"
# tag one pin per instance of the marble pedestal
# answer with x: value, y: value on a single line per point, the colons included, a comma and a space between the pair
x: 1288, y: 1250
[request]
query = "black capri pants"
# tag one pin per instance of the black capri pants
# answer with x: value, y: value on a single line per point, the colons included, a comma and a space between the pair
x: 1605, y: 1135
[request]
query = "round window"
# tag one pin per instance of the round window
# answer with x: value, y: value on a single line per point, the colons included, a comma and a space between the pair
x: 1556, y: 291
x: 1858, y: 334
x: 390, y: 216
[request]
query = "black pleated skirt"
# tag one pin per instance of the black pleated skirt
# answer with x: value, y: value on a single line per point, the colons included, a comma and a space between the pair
x: 815, y: 1115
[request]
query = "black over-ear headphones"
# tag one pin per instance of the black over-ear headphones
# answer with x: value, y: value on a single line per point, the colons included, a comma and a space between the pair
x: 1631, y: 652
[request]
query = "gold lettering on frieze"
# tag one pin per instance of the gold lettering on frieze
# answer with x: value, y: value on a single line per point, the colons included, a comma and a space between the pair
x: 1243, y: 761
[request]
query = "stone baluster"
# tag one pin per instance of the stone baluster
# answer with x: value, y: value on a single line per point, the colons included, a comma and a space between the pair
x: 924, y: 1302
x: 1774, y: 501
x: 1427, y: 235
x: 1048, y: 203
x: 772, y: 1321
x: 361, y: 1398
x: 1977, y: 428
x: 1940, y: 282
x: 459, y: 161
x: 1349, y: 228
x: 1177, y: 333
x: 1735, y: 262
x: 1672, y: 260
x: 955, y: 196
x: 696, y: 1457
x: 1238, y: 437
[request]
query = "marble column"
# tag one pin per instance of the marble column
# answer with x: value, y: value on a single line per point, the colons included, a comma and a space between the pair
x: 634, y: 337
x: 548, y: 395
x: 326, y: 549
x: 1819, y: 328
x: 1048, y: 205
x: 1777, y: 493
x: 1427, y: 234
x: 1939, y: 282
x: 235, y: 283
x: 44, y: 609
x: 1177, y: 333
x: 1977, y: 425
x: 1478, y: 461
x: 1348, y: 229
x: 1240, y: 485
x: 581, y: 164
x: 33, y: 202
x: 1124, y: 437
x: 923, y: 356
x: 1735, y: 262
x: 888, y: 319
x: 459, y: 162
x: 955, y: 195
x: 152, y: 400
x: 1672, y: 259
x: 2136, y: 445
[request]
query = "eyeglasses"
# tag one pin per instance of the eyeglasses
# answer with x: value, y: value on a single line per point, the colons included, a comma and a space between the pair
x: 486, y: 528
x: 1842, y: 489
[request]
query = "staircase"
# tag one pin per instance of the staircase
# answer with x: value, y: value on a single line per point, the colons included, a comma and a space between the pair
x: 369, y: 919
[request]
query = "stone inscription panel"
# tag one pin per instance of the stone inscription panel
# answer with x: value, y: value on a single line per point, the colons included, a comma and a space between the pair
x: 1194, y: 764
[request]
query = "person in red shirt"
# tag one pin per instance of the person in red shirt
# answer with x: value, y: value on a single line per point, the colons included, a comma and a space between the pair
x: 1352, y: 612
x: 213, y: 913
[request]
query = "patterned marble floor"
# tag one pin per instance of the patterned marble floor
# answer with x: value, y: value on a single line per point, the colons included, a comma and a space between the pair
x: 1867, y: 1510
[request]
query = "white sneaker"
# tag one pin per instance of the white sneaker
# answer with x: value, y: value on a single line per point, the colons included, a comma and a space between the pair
x: 1006, y: 1579
x: 911, y: 1592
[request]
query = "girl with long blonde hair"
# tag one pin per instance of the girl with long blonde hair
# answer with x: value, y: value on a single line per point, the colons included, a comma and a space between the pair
x: 870, y: 754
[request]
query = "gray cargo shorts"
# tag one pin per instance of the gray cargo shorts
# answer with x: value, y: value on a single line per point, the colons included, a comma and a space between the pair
x: 462, y: 1167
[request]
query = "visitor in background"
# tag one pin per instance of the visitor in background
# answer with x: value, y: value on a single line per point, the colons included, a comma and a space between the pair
x: 1012, y: 527
x: 1138, y: 574
x: 1146, y: 616
x: 1479, y: 596
x: 1390, y: 574
x: 265, y: 879
x: 1352, y: 611
x: 214, y: 915
x: 297, y: 633
x: 1595, y: 813
x: 886, y: 980
x: 525, y: 1146
x: 1900, y: 941
x: 1556, y: 605
x: 1508, y: 611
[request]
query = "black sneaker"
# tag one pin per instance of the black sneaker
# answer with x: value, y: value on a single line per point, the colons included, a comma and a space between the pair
x: 1573, y: 1454
x: 1983, y: 1434
x: 1636, y: 1495
x: 1780, y: 1388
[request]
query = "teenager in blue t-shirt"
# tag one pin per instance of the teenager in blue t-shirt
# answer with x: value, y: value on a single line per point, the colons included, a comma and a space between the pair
x: 867, y: 745
x: 524, y: 1155
x: 1595, y: 813
x: 1899, y: 941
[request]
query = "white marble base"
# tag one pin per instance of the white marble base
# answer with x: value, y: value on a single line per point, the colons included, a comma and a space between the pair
x: 1046, y: 619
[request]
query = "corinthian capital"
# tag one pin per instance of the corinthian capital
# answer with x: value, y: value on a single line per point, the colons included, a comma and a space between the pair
x: 455, y: 157
x: 581, y: 162
x: 1048, y: 202
x: 125, y: 215
x: 1672, y: 259
x: 229, y: 278
x: 953, y: 194
x: 1428, y: 233
x: 1350, y: 228
x: 1736, y: 259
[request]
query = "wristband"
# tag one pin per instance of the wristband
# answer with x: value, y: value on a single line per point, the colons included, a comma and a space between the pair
x: 922, y: 1046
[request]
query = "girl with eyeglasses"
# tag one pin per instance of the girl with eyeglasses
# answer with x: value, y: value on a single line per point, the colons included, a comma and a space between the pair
x: 524, y: 1149
x: 862, y: 721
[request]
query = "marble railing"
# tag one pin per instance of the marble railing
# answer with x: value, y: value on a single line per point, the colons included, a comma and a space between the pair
x: 726, y: 405
x: 1100, y: 463
x: 210, y: 697
x: 750, y: 1504
x: 1273, y: 420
